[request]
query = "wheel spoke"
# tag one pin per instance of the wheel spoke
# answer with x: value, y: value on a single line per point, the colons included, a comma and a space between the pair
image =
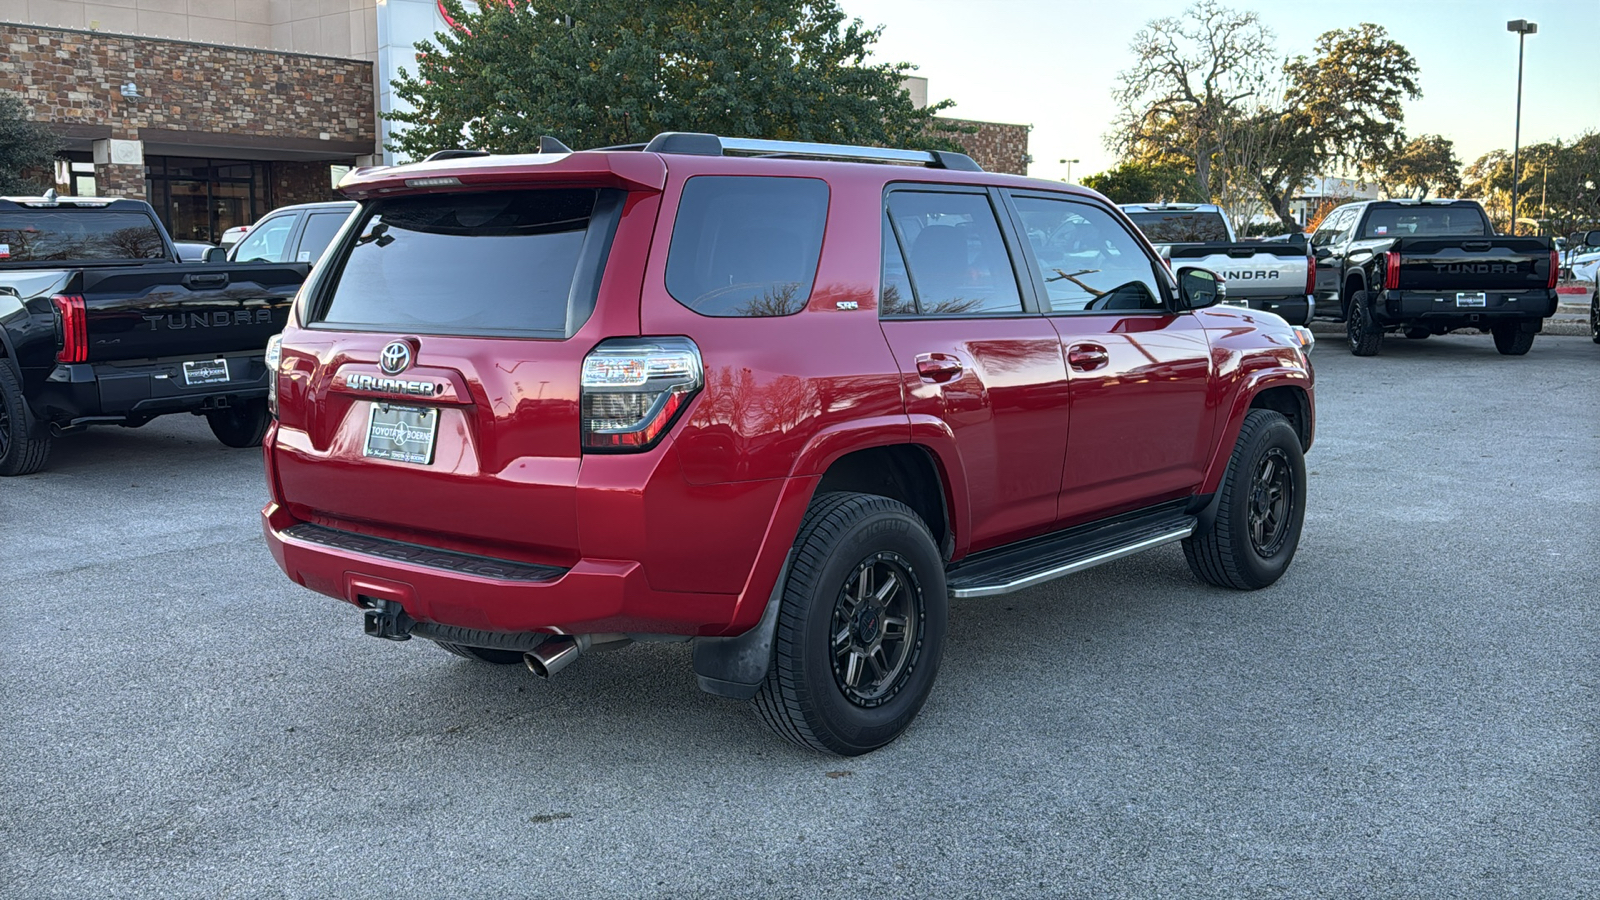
x: 894, y: 628
x: 1269, y: 467
x: 852, y: 669
x: 880, y: 664
x: 884, y: 593
x: 842, y: 639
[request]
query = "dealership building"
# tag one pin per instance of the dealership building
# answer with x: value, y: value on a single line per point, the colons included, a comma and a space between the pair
x: 217, y: 112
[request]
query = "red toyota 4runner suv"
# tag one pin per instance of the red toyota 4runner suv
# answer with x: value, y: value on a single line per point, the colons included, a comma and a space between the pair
x: 780, y: 399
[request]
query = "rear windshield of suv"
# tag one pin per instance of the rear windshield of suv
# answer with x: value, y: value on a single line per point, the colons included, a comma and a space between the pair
x: 1424, y: 221
x: 1181, y: 227
x: 48, y: 236
x: 747, y: 245
x: 510, y: 263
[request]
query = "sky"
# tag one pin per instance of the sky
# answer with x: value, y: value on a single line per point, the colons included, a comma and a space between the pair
x: 1053, y: 64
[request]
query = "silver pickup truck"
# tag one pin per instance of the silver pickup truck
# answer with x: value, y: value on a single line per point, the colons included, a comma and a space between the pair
x: 1275, y: 274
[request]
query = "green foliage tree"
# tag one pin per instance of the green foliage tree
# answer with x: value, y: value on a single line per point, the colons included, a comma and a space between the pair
x: 1142, y: 182
x: 602, y: 72
x: 1425, y: 165
x: 1559, y: 191
x: 27, y: 149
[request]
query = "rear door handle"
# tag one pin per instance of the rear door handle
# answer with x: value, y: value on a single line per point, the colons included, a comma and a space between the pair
x: 938, y: 367
x: 1087, y: 357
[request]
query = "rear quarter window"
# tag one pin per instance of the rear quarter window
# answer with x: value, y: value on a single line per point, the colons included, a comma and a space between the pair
x: 504, y: 263
x: 747, y: 245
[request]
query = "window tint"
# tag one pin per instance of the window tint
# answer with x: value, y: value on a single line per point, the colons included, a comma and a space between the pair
x: 1086, y: 259
x: 747, y: 246
x: 1181, y: 227
x: 41, y: 235
x: 957, y: 260
x: 265, y: 242
x: 1424, y: 221
x: 318, y: 233
x: 478, y: 263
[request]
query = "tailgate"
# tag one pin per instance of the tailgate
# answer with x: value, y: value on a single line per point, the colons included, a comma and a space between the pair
x: 1252, y: 269
x: 1473, y: 264
x: 186, y: 310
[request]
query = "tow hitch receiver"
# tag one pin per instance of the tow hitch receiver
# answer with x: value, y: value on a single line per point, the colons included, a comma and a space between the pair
x: 386, y: 619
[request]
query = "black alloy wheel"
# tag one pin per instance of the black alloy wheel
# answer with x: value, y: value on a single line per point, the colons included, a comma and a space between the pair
x: 1261, y: 508
x: 1271, y: 501
x: 877, y: 622
x: 1365, y: 339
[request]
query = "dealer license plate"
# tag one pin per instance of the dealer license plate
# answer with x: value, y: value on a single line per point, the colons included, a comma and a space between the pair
x: 205, y: 371
x: 401, y: 433
x: 1478, y: 299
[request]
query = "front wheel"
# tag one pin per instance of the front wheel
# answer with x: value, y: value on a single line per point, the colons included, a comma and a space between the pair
x: 1511, y: 340
x: 861, y: 629
x: 1260, y: 513
x: 1365, y: 338
x: 243, y: 424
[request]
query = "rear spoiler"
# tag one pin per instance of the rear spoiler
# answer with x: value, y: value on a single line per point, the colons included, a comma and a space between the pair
x: 630, y: 171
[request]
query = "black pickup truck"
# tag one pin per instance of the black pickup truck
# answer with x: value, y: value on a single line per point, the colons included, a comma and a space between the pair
x: 101, y: 324
x: 1428, y: 267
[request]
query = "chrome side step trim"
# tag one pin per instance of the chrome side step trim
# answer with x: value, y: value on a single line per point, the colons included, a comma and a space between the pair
x: 1089, y: 562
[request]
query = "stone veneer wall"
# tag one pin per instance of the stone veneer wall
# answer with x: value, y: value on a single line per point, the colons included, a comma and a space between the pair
x: 996, y: 146
x: 301, y: 182
x: 73, y: 79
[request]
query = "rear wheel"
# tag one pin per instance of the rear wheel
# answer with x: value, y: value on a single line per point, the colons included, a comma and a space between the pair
x: 1260, y: 512
x: 1364, y: 337
x: 861, y: 629
x: 24, y: 441
x: 1511, y: 340
x: 1594, y: 313
x: 484, y: 654
x: 1417, y: 334
x: 243, y: 424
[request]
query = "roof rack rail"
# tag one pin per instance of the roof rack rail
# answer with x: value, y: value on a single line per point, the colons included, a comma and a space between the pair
x: 695, y: 144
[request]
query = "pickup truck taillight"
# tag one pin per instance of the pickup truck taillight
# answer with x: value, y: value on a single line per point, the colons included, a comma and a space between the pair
x: 633, y: 389
x: 1311, y: 273
x: 1555, y: 267
x: 1391, y: 270
x: 74, y: 328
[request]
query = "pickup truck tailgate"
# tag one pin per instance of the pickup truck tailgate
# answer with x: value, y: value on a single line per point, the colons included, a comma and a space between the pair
x: 153, y: 311
x: 1251, y: 268
x: 1484, y: 264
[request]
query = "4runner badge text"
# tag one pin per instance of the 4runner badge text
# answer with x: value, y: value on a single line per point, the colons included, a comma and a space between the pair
x: 393, y: 385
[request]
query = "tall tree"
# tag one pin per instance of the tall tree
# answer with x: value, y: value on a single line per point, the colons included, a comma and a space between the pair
x: 1138, y: 182
x: 1560, y: 186
x: 27, y: 149
x: 1425, y: 165
x: 603, y: 72
x: 1342, y: 108
x: 1191, y: 76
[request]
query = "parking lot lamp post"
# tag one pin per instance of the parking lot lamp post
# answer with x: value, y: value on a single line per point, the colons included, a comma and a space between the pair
x: 1069, y: 163
x: 1523, y: 28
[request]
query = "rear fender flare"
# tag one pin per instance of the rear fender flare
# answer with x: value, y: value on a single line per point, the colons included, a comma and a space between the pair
x: 1253, y: 384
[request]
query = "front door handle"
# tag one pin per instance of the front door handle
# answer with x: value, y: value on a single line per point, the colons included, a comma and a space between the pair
x: 938, y: 367
x: 1087, y: 357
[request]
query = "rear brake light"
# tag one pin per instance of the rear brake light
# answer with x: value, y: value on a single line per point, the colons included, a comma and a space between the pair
x: 1311, y: 273
x: 1555, y: 267
x: 634, y: 388
x: 273, y: 356
x: 1391, y: 270
x: 74, y: 328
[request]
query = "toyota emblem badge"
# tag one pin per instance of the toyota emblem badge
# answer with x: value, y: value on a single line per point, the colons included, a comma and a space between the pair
x: 396, y: 358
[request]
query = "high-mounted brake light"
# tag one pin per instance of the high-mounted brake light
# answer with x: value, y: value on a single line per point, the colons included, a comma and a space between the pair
x: 634, y: 388
x: 74, y: 328
x: 1555, y: 267
x: 1391, y: 270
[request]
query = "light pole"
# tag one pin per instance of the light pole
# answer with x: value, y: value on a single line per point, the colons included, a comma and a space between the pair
x: 1069, y: 163
x: 1523, y: 28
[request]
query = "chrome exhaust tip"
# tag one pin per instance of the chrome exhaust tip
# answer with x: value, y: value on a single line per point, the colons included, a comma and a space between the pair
x: 553, y: 655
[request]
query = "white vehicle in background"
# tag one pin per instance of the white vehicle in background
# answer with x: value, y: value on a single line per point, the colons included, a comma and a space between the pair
x: 1272, y: 275
x: 233, y: 236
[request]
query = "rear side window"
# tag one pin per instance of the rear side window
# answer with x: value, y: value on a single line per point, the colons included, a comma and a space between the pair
x: 43, y: 236
x: 953, y: 251
x: 513, y: 263
x: 747, y: 246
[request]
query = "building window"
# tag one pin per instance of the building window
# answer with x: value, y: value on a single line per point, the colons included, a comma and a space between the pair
x: 199, y: 199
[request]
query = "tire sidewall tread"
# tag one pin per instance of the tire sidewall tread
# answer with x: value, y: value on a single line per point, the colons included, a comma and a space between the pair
x: 30, y: 438
x: 1223, y: 556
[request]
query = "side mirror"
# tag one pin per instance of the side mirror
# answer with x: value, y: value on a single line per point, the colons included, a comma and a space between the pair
x: 214, y: 255
x: 1199, y: 288
x: 1323, y: 253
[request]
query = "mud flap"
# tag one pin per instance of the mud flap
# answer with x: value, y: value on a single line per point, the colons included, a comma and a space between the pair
x: 735, y: 667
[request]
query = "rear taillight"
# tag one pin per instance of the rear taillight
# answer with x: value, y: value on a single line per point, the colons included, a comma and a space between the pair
x: 1555, y: 267
x: 74, y: 328
x: 1391, y: 270
x: 274, y: 355
x: 1311, y: 274
x: 633, y: 389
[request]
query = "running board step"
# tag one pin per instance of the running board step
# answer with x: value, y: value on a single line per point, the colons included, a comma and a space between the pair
x: 1037, y: 560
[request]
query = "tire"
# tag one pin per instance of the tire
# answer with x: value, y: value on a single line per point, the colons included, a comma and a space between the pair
x: 853, y: 694
x: 1364, y: 338
x: 1594, y: 314
x: 1418, y: 334
x: 1511, y: 340
x: 484, y: 654
x: 1257, y: 528
x: 243, y: 424
x: 24, y: 440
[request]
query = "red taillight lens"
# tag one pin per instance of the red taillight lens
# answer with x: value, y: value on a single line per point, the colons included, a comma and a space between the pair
x: 1391, y: 270
x: 633, y: 390
x: 1311, y: 274
x: 74, y: 328
x: 1555, y: 268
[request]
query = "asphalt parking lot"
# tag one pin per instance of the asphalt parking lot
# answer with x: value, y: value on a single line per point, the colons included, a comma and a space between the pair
x: 1411, y: 712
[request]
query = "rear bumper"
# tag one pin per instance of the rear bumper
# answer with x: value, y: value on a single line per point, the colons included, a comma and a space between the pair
x: 595, y: 595
x: 1295, y: 309
x: 76, y: 393
x: 1443, y: 307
